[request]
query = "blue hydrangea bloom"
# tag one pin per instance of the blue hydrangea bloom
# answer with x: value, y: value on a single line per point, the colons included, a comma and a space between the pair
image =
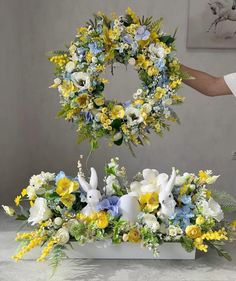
x: 127, y: 39
x: 160, y: 64
x: 127, y: 103
x: 94, y: 49
x: 142, y: 33
x: 110, y: 204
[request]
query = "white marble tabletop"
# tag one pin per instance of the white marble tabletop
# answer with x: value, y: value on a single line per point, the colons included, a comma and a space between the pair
x: 205, y: 268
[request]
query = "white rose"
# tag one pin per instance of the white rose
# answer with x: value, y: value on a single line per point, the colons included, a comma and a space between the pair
x: 94, y: 60
x: 160, y: 52
x: 63, y: 236
x: 131, y: 61
x: 70, y: 66
x: 58, y: 221
x: 212, y: 209
x: 39, y: 211
x: 81, y: 80
x: 151, y: 222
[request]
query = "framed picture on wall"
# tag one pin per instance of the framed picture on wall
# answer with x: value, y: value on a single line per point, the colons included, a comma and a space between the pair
x: 212, y: 24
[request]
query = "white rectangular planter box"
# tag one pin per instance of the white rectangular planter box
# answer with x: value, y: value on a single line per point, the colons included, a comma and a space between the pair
x: 103, y: 250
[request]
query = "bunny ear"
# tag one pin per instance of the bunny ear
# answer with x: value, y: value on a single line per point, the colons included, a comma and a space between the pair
x: 85, y: 185
x: 93, y: 179
x: 162, y: 179
x: 171, y: 182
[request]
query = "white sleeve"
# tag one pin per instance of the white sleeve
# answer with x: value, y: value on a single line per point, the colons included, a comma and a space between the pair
x: 230, y: 80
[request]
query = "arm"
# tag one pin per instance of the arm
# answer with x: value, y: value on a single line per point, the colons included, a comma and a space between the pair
x: 206, y: 84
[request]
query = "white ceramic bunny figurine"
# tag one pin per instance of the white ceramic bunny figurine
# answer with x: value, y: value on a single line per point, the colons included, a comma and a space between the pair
x: 166, y: 197
x: 93, y: 195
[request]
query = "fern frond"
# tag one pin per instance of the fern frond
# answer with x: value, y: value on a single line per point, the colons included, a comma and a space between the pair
x: 226, y: 201
x: 57, y: 255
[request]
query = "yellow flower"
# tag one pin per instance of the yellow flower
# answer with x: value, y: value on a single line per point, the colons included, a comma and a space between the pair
x: 66, y: 88
x: 60, y: 60
x: 23, y: 192
x: 132, y: 14
x: 193, y: 231
x: 198, y: 244
x: 117, y: 111
x: 17, y: 200
x: 152, y: 71
x: 99, y: 101
x: 83, y: 100
x: 102, y: 220
x: 183, y: 189
x: 160, y: 92
x: 100, y: 67
x: 66, y: 186
x: 207, y: 193
x: 233, y: 225
x: 68, y: 200
x: 149, y: 201
x: 216, y: 235
x: 203, y: 176
x: 134, y: 236
x: 81, y: 30
x: 114, y: 34
x: 31, y: 203
x: 89, y: 56
x: 132, y: 28
x: 47, y: 249
x: 138, y: 102
x: 200, y: 220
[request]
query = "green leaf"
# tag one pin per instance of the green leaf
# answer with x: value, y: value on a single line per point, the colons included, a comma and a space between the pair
x: 226, y: 201
x: 23, y: 211
x: 21, y: 218
x: 167, y: 39
x: 57, y: 256
x: 187, y: 243
x: 119, y: 142
x: 116, y: 123
x: 93, y: 144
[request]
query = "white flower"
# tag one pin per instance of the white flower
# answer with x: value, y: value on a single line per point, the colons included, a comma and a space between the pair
x: 174, y: 231
x: 9, y: 211
x: 81, y: 80
x: 94, y: 60
x: 152, y: 180
x: 135, y: 188
x: 110, y: 181
x: 31, y: 192
x: 63, y: 236
x: 212, y: 179
x: 131, y: 61
x: 39, y: 211
x: 57, y: 81
x: 47, y: 176
x: 180, y: 180
x: 151, y: 222
x: 212, y: 209
x: 147, y: 108
x: 133, y: 115
x: 157, y: 50
x: 117, y: 136
x: 58, y: 221
x: 36, y: 181
x: 70, y: 66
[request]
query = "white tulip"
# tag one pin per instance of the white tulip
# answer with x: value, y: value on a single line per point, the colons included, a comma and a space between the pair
x: 211, y: 209
x: 39, y: 211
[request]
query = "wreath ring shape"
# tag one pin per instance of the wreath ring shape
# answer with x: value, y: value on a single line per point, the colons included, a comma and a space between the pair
x: 101, y: 43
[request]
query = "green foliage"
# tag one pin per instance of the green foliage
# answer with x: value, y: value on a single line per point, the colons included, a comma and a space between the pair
x: 187, y: 243
x: 56, y: 257
x: 118, y: 228
x: 150, y: 240
x: 217, y: 245
x: 227, y: 201
x: 78, y: 231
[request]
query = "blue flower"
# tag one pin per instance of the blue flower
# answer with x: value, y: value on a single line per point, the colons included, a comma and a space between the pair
x: 142, y: 33
x: 127, y: 39
x: 88, y: 117
x: 127, y: 103
x: 160, y: 64
x: 110, y: 204
x: 60, y: 175
x: 94, y: 49
x: 186, y: 199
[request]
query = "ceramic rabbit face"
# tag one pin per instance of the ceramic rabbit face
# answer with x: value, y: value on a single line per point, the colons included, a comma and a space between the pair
x: 93, y: 195
x: 166, y: 198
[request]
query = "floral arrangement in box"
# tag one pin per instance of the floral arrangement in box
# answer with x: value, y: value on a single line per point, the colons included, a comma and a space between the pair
x: 153, y: 209
x: 102, y: 43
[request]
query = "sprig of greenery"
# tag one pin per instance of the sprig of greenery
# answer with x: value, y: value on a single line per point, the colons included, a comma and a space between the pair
x: 57, y: 256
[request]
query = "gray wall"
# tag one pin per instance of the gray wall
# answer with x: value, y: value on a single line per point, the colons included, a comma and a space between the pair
x: 32, y: 139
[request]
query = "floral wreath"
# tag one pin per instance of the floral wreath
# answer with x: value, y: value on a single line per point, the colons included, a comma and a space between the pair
x: 103, y: 42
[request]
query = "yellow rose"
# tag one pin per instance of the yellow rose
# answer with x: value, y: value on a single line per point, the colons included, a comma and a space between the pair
x: 152, y: 71
x: 200, y: 220
x: 117, y: 112
x: 134, y: 236
x: 193, y: 231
